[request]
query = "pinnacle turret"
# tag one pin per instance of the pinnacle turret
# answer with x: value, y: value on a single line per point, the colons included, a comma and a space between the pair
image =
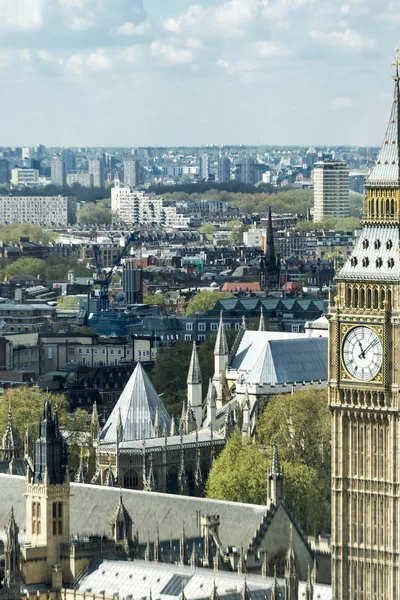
x: 221, y: 344
x: 261, y: 325
x: 194, y: 373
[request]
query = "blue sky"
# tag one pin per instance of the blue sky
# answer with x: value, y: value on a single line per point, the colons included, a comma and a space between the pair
x: 172, y: 72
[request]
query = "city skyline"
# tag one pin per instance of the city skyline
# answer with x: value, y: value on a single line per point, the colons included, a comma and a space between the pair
x: 223, y: 72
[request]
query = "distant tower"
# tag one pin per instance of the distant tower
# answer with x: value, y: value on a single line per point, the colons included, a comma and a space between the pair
x: 132, y: 172
x: 311, y: 157
x: 195, y: 387
x: 224, y: 169
x: 204, y: 166
x: 276, y: 479
x: 221, y: 356
x: 331, y: 189
x: 47, y: 502
x: 96, y: 168
x: 58, y: 171
x: 270, y: 263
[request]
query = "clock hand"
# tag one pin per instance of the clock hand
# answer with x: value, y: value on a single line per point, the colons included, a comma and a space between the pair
x: 372, y: 344
x: 362, y: 355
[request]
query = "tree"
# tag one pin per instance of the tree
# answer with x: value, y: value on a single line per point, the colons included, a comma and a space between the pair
x: 153, y: 298
x: 205, y: 300
x: 27, y: 266
x: 13, y: 232
x: 300, y: 423
x: 207, y: 229
x: 94, y: 214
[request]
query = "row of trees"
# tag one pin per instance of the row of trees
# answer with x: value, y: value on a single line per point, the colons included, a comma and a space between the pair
x: 11, y: 234
x: 54, y: 267
x: 95, y: 214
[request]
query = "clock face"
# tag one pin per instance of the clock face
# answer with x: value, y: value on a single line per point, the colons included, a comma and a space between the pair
x: 362, y: 353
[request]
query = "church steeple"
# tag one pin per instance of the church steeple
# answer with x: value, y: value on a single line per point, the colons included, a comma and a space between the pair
x: 269, y: 267
x: 12, y: 560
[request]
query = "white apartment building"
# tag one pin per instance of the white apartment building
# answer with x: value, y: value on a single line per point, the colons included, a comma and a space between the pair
x: 331, y: 189
x: 254, y: 237
x: 46, y: 211
x: 136, y: 208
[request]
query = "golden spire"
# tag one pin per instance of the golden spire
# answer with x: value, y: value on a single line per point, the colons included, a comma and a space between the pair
x: 396, y: 64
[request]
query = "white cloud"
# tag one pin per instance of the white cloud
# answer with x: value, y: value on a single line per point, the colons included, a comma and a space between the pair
x: 21, y: 15
x: 129, y: 28
x: 98, y: 60
x: 75, y: 64
x: 348, y: 40
x: 270, y: 49
x: 232, y: 16
x: 193, y: 16
x: 341, y: 103
x: 171, y: 53
x: 280, y: 9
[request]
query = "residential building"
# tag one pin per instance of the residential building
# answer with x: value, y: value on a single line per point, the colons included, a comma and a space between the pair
x: 132, y: 172
x: 331, y: 189
x: 5, y: 171
x: 107, y: 249
x: 131, y: 281
x: 311, y: 157
x: 58, y: 171
x: 96, y: 168
x: 46, y: 211
x: 137, y: 208
x: 253, y: 237
x: 24, y: 176
x: 84, y: 179
x: 204, y: 166
x: 26, y: 318
x: 357, y: 182
x: 248, y: 170
x: 224, y: 169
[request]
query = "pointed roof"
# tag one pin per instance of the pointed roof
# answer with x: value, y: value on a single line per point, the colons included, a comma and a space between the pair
x: 194, y: 374
x: 137, y: 403
x: 221, y: 344
x: 109, y: 479
x: 211, y: 394
x: 387, y: 166
x: 10, y: 441
x: 120, y: 513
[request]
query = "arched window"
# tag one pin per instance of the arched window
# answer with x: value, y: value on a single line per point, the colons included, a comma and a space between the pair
x: 172, y: 480
x: 131, y: 479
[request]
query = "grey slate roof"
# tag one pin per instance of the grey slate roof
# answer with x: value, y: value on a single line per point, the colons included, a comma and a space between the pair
x: 253, y: 344
x: 165, y: 582
x: 138, y: 403
x: 239, y: 522
x: 375, y: 255
x: 194, y: 374
x: 295, y: 360
x: 387, y: 168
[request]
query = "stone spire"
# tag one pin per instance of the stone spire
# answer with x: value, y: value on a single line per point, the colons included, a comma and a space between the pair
x: 241, y: 566
x: 194, y: 557
x: 276, y: 479
x: 291, y: 581
x: 244, y: 322
x: 211, y: 405
x: 182, y: 478
x: 157, y: 427
x: 80, y: 476
x: 314, y: 572
x: 194, y: 374
x: 150, y: 485
x: 109, y: 479
x: 275, y: 590
x: 28, y: 444
x: 172, y: 431
x: 12, y: 560
x: 50, y: 455
x: 94, y: 422
x: 11, y: 446
x: 246, y: 413
x: 264, y: 567
x: 229, y: 424
x: 157, y: 547
x: 190, y: 420
x: 309, y: 586
x: 120, y: 427
x: 147, y: 552
x: 183, y: 558
x: 221, y: 344
x: 261, y: 325
x: 198, y: 477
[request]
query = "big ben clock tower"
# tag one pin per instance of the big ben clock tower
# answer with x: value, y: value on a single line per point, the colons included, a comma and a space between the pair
x: 364, y: 391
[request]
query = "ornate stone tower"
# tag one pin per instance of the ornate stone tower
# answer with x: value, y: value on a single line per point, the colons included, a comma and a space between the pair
x: 195, y: 387
x: 11, y: 585
x: 47, y: 502
x: 364, y: 390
